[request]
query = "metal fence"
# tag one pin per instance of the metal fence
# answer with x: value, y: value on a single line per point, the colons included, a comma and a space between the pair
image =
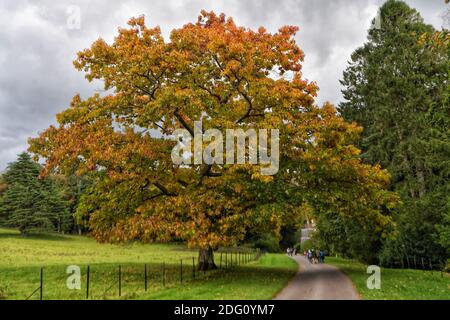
x: 168, y: 274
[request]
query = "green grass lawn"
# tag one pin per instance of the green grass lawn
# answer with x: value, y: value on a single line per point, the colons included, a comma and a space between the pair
x: 260, y: 280
x: 397, y: 284
x: 21, y: 260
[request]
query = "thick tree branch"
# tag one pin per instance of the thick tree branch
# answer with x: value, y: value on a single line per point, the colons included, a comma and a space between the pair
x: 206, y: 172
x: 220, y: 100
x: 161, y: 127
x: 156, y: 196
x: 164, y: 189
x: 183, y: 183
x: 183, y: 122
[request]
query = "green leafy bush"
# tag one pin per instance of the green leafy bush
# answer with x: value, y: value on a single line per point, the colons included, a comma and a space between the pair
x: 267, y: 243
x: 306, y: 245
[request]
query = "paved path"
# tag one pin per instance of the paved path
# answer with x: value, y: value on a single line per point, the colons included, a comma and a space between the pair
x: 318, y: 282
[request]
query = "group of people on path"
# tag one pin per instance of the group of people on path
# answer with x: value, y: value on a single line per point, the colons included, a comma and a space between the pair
x: 291, y: 252
x: 315, y: 256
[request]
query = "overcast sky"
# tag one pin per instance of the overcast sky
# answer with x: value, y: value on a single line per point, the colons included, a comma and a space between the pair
x: 39, y: 40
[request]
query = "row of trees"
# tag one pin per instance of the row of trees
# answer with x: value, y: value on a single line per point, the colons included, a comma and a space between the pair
x: 397, y: 88
x: 30, y: 203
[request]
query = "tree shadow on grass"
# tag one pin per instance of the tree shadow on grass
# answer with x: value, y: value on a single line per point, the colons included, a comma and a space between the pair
x: 13, y: 234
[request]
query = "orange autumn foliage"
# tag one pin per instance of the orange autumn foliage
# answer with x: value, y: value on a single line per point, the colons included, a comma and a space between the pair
x: 231, y: 77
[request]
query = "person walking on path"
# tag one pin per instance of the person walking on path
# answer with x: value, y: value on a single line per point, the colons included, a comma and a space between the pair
x: 309, y: 255
x: 322, y: 256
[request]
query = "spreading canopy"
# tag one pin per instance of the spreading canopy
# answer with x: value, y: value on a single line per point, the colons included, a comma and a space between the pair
x: 229, y: 77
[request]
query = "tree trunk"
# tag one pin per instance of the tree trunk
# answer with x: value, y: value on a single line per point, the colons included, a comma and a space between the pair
x: 421, y: 179
x: 206, y: 260
x: 23, y: 232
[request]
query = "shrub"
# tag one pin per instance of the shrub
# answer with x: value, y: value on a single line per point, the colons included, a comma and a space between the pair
x: 267, y: 243
x: 305, y: 246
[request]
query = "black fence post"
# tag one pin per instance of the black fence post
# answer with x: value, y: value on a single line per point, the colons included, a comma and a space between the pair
x: 220, y: 265
x: 181, y: 271
x: 41, y: 288
x: 120, y: 280
x: 226, y: 260
x: 87, y: 282
x: 145, y: 276
x: 415, y: 265
x: 407, y: 261
x: 164, y: 274
x: 193, y: 267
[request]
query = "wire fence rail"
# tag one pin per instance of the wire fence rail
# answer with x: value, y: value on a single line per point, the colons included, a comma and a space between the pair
x: 40, y: 288
x: 140, y: 276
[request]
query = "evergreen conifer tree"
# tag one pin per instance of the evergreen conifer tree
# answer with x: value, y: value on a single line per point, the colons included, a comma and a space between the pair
x: 396, y: 88
x: 30, y: 203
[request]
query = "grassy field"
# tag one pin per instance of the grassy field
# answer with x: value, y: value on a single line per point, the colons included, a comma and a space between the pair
x: 397, y: 284
x: 21, y: 260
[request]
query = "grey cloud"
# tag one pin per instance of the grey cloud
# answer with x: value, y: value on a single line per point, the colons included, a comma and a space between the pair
x: 37, y: 79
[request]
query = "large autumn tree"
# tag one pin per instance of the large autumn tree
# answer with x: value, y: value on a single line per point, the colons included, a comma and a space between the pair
x: 397, y: 88
x: 230, y: 77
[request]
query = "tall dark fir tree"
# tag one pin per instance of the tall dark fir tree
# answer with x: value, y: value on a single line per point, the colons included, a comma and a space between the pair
x: 30, y: 203
x: 397, y: 89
